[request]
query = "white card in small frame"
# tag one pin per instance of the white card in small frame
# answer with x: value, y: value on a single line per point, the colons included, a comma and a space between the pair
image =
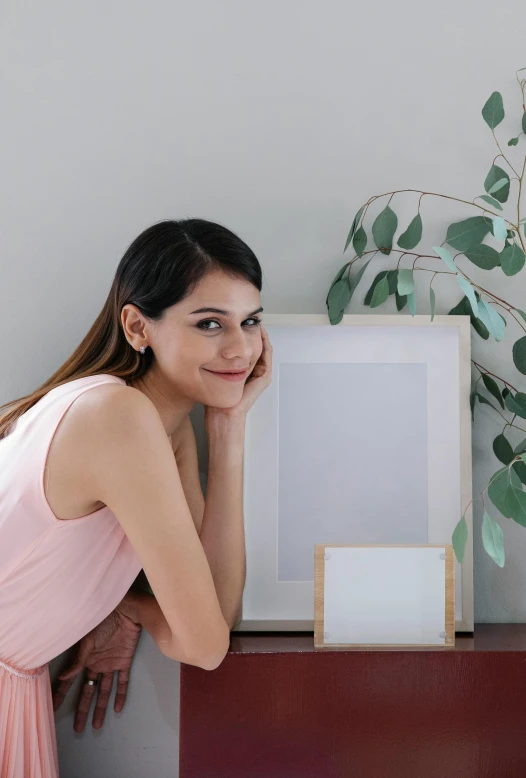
x: 384, y: 596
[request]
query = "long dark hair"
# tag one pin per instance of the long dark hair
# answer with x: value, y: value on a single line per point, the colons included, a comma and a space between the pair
x: 161, y: 267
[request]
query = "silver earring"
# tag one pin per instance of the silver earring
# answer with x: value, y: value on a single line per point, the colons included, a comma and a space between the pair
x: 142, y: 349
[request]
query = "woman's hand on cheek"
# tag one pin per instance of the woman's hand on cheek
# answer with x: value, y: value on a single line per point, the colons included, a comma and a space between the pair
x: 257, y: 381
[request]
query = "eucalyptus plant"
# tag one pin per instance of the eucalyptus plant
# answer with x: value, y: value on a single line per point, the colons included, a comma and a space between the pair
x: 497, y: 214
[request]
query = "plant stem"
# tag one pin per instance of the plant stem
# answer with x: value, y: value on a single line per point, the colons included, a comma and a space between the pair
x: 482, y: 369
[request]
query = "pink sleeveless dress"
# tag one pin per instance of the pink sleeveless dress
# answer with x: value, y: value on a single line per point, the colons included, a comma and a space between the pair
x: 58, y: 580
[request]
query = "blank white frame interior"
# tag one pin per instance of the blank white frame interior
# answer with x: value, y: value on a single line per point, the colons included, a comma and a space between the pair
x: 384, y: 596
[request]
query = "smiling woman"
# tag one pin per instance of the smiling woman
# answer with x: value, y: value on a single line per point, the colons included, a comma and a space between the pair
x: 99, y: 480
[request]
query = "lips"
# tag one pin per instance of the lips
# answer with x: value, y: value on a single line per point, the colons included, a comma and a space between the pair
x: 229, y: 376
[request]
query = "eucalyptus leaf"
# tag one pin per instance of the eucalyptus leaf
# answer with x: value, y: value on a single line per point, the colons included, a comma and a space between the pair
x: 503, y: 450
x: 472, y: 400
x: 498, y: 185
x: 381, y: 293
x: 485, y: 401
x: 493, y: 110
x: 493, y: 539
x: 491, y: 319
x: 354, y: 225
x: 519, y: 354
x: 463, y: 308
x: 459, y: 539
x: 516, y: 403
x: 338, y: 298
x: 513, y: 141
x: 520, y: 448
x: 411, y: 303
x: 521, y: 313
x: 406, y: 283
x: 469, y: 292
x: 491, y: 201
x: 498, y: 486
x: 359, y: 241
x: 515, y: 500
x: 493, y: 388
x: 358, y: 277
x: 337, y: 277
x: 413, y: 235
x: 432, y: 301
x: 483, y: 256
x: 468, y: 232
x: 384, y: 228
x: 512, y: 259
x: 370, y: 292
x: 520, y: 469
x: 392, y: 280
x: 500, y: 230
x: 401, y: 301
x: 495, y: 174
x: 445, y: 255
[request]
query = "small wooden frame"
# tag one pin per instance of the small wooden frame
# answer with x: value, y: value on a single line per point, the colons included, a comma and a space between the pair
x: 445, y: 630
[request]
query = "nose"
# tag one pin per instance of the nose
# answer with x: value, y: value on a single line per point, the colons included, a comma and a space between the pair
x: 237, y: 346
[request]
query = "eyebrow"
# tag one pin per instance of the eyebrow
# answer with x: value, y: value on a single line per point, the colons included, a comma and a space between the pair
x: 222, y: 313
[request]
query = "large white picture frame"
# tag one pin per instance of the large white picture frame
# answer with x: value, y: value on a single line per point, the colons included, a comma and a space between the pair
x: 363, y: 436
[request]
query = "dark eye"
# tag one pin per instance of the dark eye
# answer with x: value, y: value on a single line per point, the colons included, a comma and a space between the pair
x: 201, y: 324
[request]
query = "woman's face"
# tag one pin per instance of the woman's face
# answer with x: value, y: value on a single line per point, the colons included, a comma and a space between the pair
x: 190, y: 346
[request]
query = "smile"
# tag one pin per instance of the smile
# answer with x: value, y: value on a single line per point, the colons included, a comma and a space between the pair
x: 229, y: 376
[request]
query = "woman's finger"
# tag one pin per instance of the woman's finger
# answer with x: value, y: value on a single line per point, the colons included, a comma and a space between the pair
x: 86, y: 695
x: 103, y: 697
x: 123, y: 679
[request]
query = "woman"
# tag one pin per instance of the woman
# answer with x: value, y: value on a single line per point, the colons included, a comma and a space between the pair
x: 98, y: 480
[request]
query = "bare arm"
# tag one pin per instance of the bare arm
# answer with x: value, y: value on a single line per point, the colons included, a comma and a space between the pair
x: 132, y: 469
x: 222, y: 530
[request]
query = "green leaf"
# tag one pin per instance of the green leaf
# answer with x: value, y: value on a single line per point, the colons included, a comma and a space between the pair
x: 493, y: 388
x: 499, y: 228
x: 413, y: 235
x: 338, y: 298
x: 432, y: 301
x: 495, y: 174
x: 354, y: 225
x: 445, y: 255
x: 377, y: 279
x: 463, y: 308
x: 401, y: 301
x: 358, y: 277
x: 520, y: 469
x: 381, y: 293
x: 468, y: 233
x: 384, y: 228
x: 503, y: 450
x: 498, y: 486
x: 472, y: 399
x: 512, y: 259
x: 520, y: 448
x: 493, y: 110
x: 406, y: 283
x: 491, y: 319
x: 469, y: 292
x: 411, y: 303
x: 483, y: 256
x: 392, y: 280
x: 515, y: 500
x: 498, y: 185
x: 493, y: 539
x: 491, y: 201
x: 359, y: 241
x: 513, y: 141
x: 519, y: 354
x: 521, y: 313
x: 459, y: 539
x: 516, y: 403
x: 483, y: 400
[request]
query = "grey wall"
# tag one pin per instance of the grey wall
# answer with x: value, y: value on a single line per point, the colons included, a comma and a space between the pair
x: 277, y: 119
